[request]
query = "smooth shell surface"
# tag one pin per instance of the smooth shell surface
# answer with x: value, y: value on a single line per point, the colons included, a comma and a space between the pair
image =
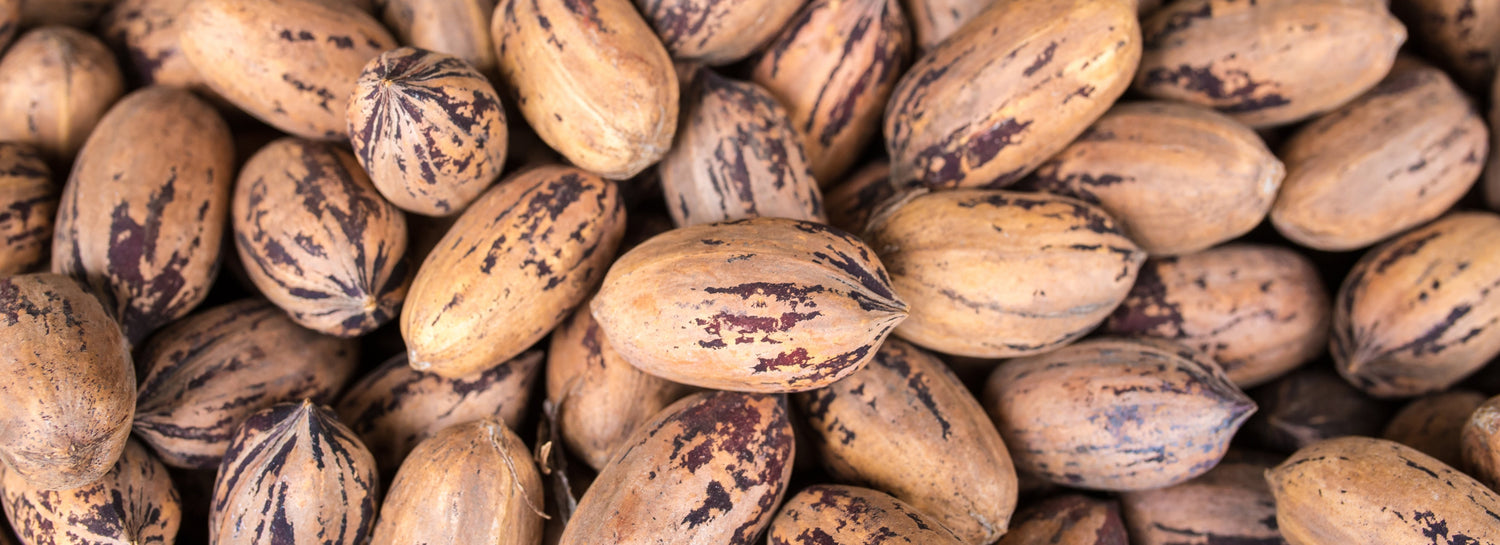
x: 932, y: 21
x: 717, y: 32
x: 1071, y: 519
x: 849, y: 515
x: 145, y: 31
x: 28, y: 205
x: 1231, y: 504
x: 55, y: 84
x: 1434, y: 424
x: 457, y: 27
x: 1479, y: 443
x: 135, y: 503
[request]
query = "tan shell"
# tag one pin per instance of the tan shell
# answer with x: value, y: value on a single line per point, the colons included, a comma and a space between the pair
x: 317, y: 238
x: 145, y: 31
x: 932, y: 21
x: 1434, y: 424
x: 1116, y: 414
x: 905, y: 425
x: 67, y: 386
x: 1462, y: 34
x: 1259, y: 311
x: 591, y: 78
x: 764, y: 305
x: 134, y: 503
x: 737, y: 156
x: 1009, y: 89
x: 143, y: 213
x: 1409, y: 148
x: 837, y: 514
x: 1362, y: 490
x: 294, y: 474
x: 1178, y: 178
x: 1310, y: 405
x: 457, y: 27
x: 851, y: 203
x: 205, y: 374
x: 395, y: 407
x: 834, y: 67
x: 28, y: 204
x: 1231, y: 504
x: 428, y: 128
x: 469, y: 483
x: 600, y: 398
x: 289, y: 63
x: 1416, y: 314
x: 1270, y: 62
x: 55, y: 84
x: 1001, y: 274
x: 709, y: 469
x: 716, y: 32
x: 1479, y: 443
x: 511, y: 268
x: 74, y: 13
x: 1072, y: 519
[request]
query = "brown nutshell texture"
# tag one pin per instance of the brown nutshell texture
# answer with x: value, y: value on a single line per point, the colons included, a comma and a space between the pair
x: 1071, y: 519
x: 1310, y: 405
x: 1479, y: 443
x: 206, y: 374
x: 318, y: 240
x: 1434, y: 424
x: 1460, y: 33
x: 74, y: 13
x: 457, y: 27
x: 716, y: 32
x: 28, y: 204
x: 932, y: 21
x: 55, y: 84
x: 852, y: 202
x: 145, y: 32
x: 143, y: 213
x: 10, y: 22
x: 710, y: 468
x: 1231, y: 504
x: 135, y: 503
x: 850, y: 515
x: 511, y: 268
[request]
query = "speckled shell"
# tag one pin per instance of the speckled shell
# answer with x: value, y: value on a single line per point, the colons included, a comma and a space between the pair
x: 55, y: 84
x: 428, y: 128
x: 28, y: 204
x: 1479, y: 443
x: 1072, y: 519
x: 204, y: 375
x: 1409, y: 148
x: 67, y: 385
x: 457, y: 27
x: 763, y: 305
x: 1415, y: 315
x: 1001, y: 274
x: 600, y: 397
x: 716, y: 32
x: 289, y: 63
x: 470, y: 483
x: 395, y: 407
x: 1362, y: 490
x: 1270, y: 62
x: 1229, y: 505
x: 135, y: 503
x: 294, y: 474
x: 145, y: 32
x: 905, y: 425
x: 10, y: 22
x: 511, y: 268
x: 848, y: 515
x: 1009, y: 89
x: 737, y: 156
x: 1259, y: 311
x: 1459, y: 33
x: 1434, y: 424
x: 932, y: 21
x: 709, y: 469
x: 142, y: 216
x: 834, y: 67
x: 317, y: 238
x: 1310, y: 405
x: 851, y: 203
x: 74, y: 13
x: 1161, y: 169
x: 1116, y: 414
x: 591, y: 79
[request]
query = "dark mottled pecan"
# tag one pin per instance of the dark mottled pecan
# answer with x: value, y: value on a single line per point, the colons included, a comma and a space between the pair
x: 144, y: 32
x: 1070, y: 519
x: 1459, y: 33
x: 28, y: 204
x: 1310, y: 405
x: 849, y: 515
x: 717, y: 32
x: 55, y: 84
x: 134, y: 504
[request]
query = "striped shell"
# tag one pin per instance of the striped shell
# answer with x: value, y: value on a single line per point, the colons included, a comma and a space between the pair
x: 511, y: 268
x: 1259, y: 311
x: 1270, y: 62
x: 737, y: 156
x: 289, y: 63
x: 591, y: 79
x: 67, y: 386
x: 932, y: 21
x: 834, y: 67
x: 143, y: 213
x: 840, y: 515
x: 428, y: 128
x: 457, y: 27
x: 294, y: 474
x: 55, y: 84
x: 145, y: 31
x: 1434, y: 424
x: 710, y: 468
x: 205, y: 374
x: 717, y: 32
x: 28, y: 204
x: 317, y: 238
x: 1309, y: 405
x: 1362, y: 490
x: 1479, y: 443
x: 765, y: 305
x: 1070, y: 519
x: 395, y: 407
x: 1460, y: 33
x: 1116, y: 414
x: 1231, y: 504
x: 134, y: 504
x: 1417, y: 314
x: 1001, y: 274
x: 1010, y: 88
x: 469, y: 483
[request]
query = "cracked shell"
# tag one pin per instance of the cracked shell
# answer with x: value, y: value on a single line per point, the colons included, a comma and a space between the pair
x: 55, y: 84
x: 850, y: 515
x: 135, y: 503
x: 29, y: 200
x: 717, y: 32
